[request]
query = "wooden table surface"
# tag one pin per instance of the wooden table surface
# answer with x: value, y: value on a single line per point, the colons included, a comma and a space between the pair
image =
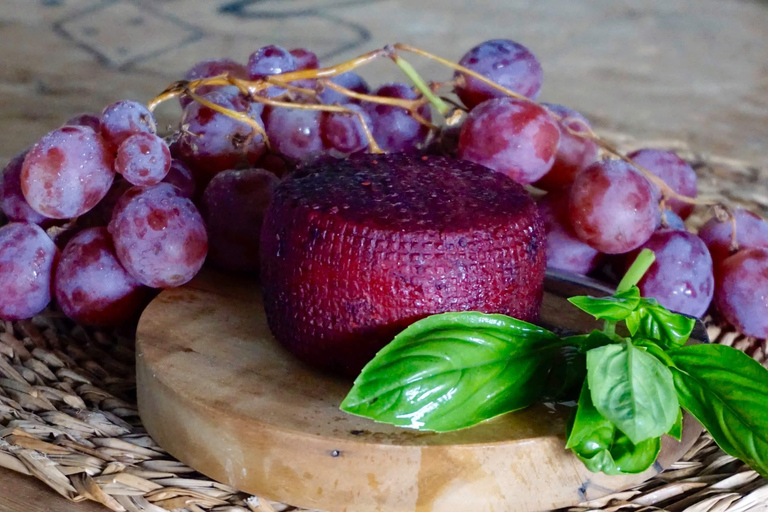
x: 694, y: 71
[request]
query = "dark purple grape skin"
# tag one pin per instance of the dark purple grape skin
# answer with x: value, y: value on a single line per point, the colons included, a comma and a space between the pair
x: 349, y: 80
x: 12, y: 200
x: 741, y: 294
x: 270, y: 60
x: 514, y: 137
x: 505, y: 62
x: 345, y: 132
x: 682, y: 277
x: 233, y: 207
x: 92, y: 121
x: 305, y: 59
x: 751, y: 231
x: 159, y: 236
x: 394, y: 129
x: 565, y: 251
x: 613, y: 207
x: 124, y: 118
x: 295, y: 133
x: 210, y: 68
x: 674, y: 171
x: 100, y: 214
x: 27, y: 261
x: 143, y: 159
x: 91, y: 286
x: 574, y: 153
x: 182, y: 178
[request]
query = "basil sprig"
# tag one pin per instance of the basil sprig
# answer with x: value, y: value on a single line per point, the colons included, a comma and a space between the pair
x: 454, y: 370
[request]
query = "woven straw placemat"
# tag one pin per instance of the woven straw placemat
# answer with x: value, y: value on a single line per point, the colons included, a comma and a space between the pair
x: 68, y: 413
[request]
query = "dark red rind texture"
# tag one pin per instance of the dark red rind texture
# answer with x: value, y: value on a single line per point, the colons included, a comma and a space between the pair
x: 355, y: 250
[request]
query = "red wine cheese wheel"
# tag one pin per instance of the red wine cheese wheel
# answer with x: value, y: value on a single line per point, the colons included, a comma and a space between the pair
x: 355, y: 250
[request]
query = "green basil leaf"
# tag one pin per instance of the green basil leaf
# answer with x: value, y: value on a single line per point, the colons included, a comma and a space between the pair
x: 652, y: 320
x: 570, y: 368
x: 631, y: 458
x: 589, y: 432
x: 633, y: 390
x: 454, y: 370
x: 614, y: 308
x: 676, y: 432
x: 727, y: 391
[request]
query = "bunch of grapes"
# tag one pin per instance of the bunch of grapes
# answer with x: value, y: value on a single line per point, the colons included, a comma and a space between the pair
x: 129, y: 211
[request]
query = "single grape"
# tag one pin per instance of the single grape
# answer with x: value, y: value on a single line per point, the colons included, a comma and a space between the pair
x: 67, y: 172
x: 349, y: 80
x: 394, y: 129
x: 181, y: 177
x: 159, y: 236
x: 210, y: 68
x: 573, y: 154
x: 514, y: 137
x: 674, y: 171
x: 212, y: 142
x: 27, y: 259
x: 90, y: 120
x: 143, y: 159
x: 345, y: 132
x: 564, y: 250
x: 741, y: 295
x: 613, y: 207
x: 505, y: 62
x: 90, y: 284
x: 271, y: 60
x: 12, y: 200
x: 305, y: 59
x: 751, y: 231
x: 671, y: 220
x: 295, y: 133
x: 233, y: 207
x: 122, y: 119
x: 681, y: 278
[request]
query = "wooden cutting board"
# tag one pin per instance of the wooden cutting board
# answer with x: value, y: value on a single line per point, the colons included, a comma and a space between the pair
x: 220, y: 394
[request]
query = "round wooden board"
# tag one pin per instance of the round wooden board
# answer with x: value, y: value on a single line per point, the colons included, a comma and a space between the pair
x: 220, y: 394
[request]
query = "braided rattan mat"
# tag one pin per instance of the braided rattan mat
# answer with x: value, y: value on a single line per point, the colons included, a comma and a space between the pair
x: 68, y: 414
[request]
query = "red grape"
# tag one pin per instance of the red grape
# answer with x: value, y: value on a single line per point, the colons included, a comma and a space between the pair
x: 90, y: 120
x: 674, y: 171
x: 91, y: 286
x: 12, y: 200
x: 564, y: 250
x: 741, y: 295
x: 181, y: 177
x: 143, y: 159
x: 233, y: 206
x: 122, y: 119
x: 159, y: 236
x: 210, y: 68
x: 27, y: 259
x: 344, y: 132
x: 514, y: 137
x: 574, y: 153
x: 305, y: 59
x: 67, y: 172
x: 295, y: 133
x: 349, y: 80
x: 505, y: 62
x: 394, y: 129
x: 613, y: 207
x: 681, y: 278
x: 271, y: 60
x: 751, y: 231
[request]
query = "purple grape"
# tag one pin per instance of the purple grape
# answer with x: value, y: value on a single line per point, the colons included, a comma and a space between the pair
x: 212, y: 142
x: 345, y: 132
x: 271, y: 60
x: 751, y: 231
x: 210, y: 68
x: 233, y: 206
x: 159, y: 236
x: 143, y: 159
x: 27, y: 259
x: 741, y: 295
x: 515, y: 137
x: 181, y: 177
x: 295, y: 133
x: 90, y: 120
x: 505, y: 62
x: 674, y: 171
x: 671, y: 220
x: 67, y: 172
x: 122, y: 119
x: 305, y: 59
x: 12, y: 200
x: 349, y: 80
x: 91, y: 286
x: 681, y: 278
x: 574, y: 153
x: 613, y: 207
x: 564, y: 250
x: 394, y: 129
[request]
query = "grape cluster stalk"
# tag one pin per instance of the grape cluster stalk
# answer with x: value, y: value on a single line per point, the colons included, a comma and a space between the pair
x: 159, y: 207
